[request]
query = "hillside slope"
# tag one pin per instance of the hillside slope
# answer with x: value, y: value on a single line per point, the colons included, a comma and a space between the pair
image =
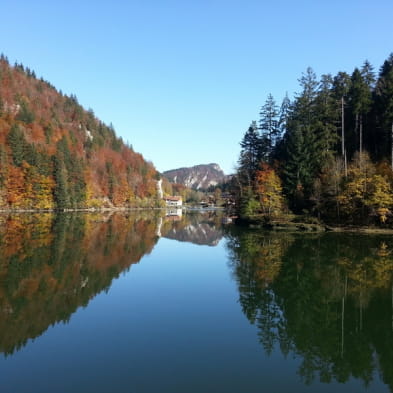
x: 198, y: 177
x: 56, y: 155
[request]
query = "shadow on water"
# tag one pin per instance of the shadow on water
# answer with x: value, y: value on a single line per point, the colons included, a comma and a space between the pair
x: 326, y: 299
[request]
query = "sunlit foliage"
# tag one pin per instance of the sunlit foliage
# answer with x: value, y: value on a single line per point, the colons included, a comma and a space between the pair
x: 332, y: 148
x: 56, y: 155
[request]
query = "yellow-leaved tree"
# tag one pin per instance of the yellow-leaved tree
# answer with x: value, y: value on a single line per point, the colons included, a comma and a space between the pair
x: 380, y: 197
x: 268, y: 190
x: 365, y: 192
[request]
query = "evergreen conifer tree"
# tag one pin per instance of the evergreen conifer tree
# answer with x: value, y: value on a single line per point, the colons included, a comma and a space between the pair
x: 360, y: 102
x: 250, y: 154
x: 17, y: 143
x: 384, y: 108
x: 61, y: 193
x: 25, y: 114
x: 284, y: 115
x: 341, y: 85
x: 302, y: 145
x: 269, y: 127
x: 326, y: 131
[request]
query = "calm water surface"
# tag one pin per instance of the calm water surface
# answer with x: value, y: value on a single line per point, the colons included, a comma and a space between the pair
x: 148, y: 303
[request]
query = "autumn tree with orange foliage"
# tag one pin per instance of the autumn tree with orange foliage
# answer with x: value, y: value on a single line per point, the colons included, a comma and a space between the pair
x: 56, y: 155
x: 268, y: 190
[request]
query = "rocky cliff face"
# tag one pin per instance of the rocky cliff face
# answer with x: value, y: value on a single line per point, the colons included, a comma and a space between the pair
x: 198, y: 177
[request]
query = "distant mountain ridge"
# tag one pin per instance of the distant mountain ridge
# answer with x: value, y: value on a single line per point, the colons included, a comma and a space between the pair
x: 198, y: 177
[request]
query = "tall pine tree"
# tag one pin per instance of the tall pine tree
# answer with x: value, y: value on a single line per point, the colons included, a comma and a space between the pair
x: 302, y: 147
x: 269, y: 127
x: 250, y: 154
x: 326, y: 130
x: 341, y: 86
x: 384, y: 109
x: 360, y: 105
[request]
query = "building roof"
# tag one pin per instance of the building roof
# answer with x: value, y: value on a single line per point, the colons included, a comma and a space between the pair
x: 172, y: 198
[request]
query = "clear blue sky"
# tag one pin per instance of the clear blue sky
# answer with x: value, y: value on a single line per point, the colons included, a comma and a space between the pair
x: 182, y: 80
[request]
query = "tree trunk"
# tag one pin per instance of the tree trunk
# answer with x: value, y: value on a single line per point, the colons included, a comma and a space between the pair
x: 356, y: 128
x: 361, y: 134
x: 391, y: 144
x: 342, y: 128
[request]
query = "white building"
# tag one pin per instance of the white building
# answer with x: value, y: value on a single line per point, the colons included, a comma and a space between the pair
x: 173, y: 201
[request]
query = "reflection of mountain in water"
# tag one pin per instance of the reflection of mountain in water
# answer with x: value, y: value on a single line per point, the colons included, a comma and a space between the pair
x: 51, y: 265
x: 325, y: 299
x: 202, y: 229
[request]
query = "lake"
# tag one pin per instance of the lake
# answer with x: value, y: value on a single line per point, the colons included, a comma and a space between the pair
x: 144, y: 302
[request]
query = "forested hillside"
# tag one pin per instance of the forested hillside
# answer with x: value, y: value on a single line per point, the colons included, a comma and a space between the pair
x: 56, y: 155
x: 328, y: 153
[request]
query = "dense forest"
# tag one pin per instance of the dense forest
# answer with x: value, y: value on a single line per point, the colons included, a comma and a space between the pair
x: 328, y: 153
x: 56, y: 155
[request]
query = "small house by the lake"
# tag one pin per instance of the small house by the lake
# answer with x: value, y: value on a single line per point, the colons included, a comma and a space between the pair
x: 173, y: 201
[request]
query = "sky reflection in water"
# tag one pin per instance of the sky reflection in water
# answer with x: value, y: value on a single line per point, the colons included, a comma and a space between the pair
x: 102, y: 304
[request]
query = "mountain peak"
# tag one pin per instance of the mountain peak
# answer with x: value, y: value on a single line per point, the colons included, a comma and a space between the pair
x: 198, y: 177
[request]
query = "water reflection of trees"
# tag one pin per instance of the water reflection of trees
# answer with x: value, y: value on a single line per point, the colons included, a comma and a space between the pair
x: 51, y: 265
x: 327, y: 299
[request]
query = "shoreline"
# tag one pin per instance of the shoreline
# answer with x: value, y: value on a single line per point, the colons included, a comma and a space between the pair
x: 109, y: 209
x: 305, y: 227
x: 275, y: 226
x: 87, y: 210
